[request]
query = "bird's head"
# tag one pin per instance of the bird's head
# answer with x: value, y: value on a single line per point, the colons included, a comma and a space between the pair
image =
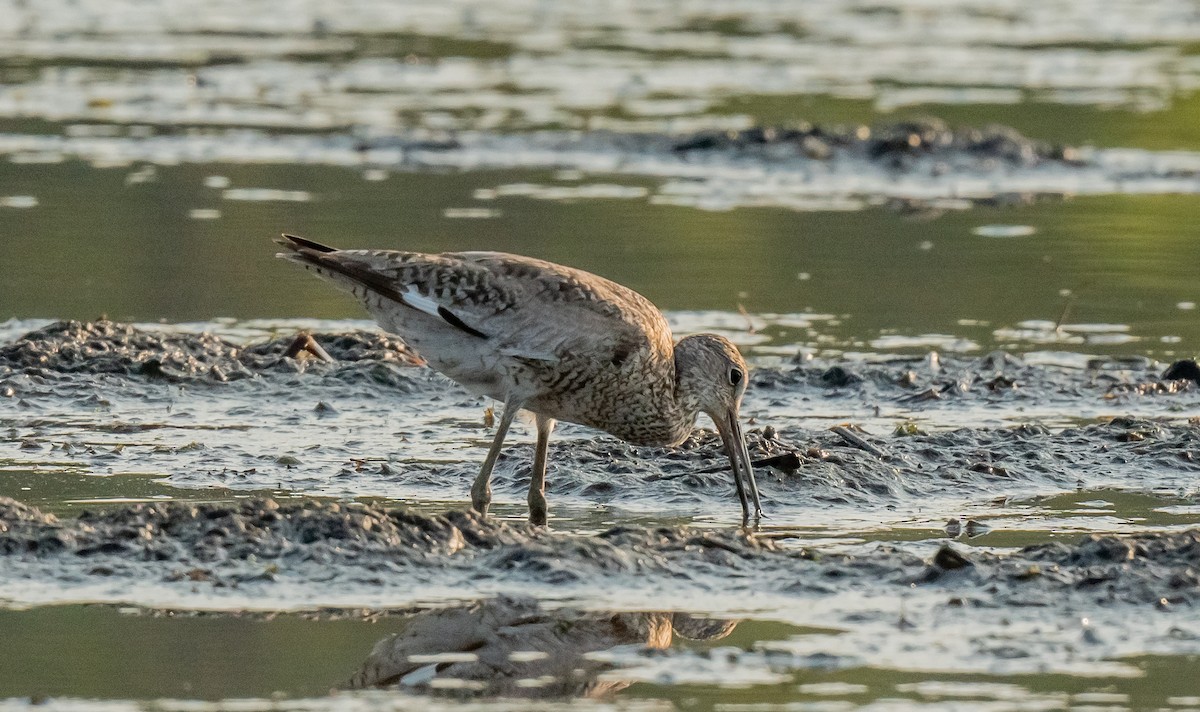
x: 711, y: 373
x: 712, y: 376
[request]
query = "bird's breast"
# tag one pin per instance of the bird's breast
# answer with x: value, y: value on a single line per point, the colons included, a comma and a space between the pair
x: 627, y: 401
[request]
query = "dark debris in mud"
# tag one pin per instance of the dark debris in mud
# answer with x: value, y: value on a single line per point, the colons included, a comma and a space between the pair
x: 106, y: 347
x: 261, y: 540
x: 928, y: 148
x: 895, y: 144
x: 995, y: 377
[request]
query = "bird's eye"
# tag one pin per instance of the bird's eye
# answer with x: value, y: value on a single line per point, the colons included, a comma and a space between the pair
x: 735, y: 376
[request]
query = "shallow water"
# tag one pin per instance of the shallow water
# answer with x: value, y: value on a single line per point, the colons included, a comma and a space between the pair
x: 289, y: 656
x: 1004, y: 532
x: 1113, y: 272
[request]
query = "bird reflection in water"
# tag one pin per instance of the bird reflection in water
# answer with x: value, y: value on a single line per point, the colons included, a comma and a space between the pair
x: 512, y: 647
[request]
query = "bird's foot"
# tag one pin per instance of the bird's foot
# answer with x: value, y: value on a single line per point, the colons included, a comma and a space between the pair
x: 751, y: 522
x: 537, y: 509
x: 480, y: 499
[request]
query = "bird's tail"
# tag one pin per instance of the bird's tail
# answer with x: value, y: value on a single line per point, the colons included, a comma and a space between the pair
x: 345, y: 269
x: 315, y: 257
x: 296, y: 243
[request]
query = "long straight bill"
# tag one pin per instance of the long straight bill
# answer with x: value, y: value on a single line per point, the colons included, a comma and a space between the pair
x: 739, y: 460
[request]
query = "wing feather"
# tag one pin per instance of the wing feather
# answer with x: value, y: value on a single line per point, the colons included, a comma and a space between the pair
x: 528, y: 308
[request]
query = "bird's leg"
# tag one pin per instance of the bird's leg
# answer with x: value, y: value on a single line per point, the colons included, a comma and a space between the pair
x: 537, y: 480
x: 481, y: 490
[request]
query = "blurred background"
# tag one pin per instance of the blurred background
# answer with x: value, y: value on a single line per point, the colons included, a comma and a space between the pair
x: 820, y: 158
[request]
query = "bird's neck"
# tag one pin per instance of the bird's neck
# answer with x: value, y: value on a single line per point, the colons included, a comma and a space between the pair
x: 685, y: 391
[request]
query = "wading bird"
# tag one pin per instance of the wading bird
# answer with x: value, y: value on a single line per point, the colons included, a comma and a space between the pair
x: 558, y: 342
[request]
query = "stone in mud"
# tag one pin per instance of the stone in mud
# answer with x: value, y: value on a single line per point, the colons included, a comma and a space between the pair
x: 949, y: 559
x: 998, y: 361
x: 975, y: 528
x: 838, y: 377
x: 1184, y: 369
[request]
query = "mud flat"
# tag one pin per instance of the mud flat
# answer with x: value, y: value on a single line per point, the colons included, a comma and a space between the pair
x: 999, y: 516
x: 1121, y: 594
x: 203, y: 411
x: 198, y: 411
x: 251, y: 547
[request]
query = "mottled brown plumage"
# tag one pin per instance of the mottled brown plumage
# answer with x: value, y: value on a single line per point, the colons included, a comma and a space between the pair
x: 559, y: 342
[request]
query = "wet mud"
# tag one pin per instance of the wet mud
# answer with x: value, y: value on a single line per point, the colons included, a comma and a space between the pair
x: 898, y: 146
x: 890, y: 142
x: 372, y: 423
x: 106, y: 348
x: 907, y: 496
x: 260, y: 542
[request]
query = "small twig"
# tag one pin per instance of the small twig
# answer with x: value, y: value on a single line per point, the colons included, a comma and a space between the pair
x: 789, y: 460
x: 749, y: 322
x: 306, y: 343
x: 857, y: 441
x: 1062, y: 319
